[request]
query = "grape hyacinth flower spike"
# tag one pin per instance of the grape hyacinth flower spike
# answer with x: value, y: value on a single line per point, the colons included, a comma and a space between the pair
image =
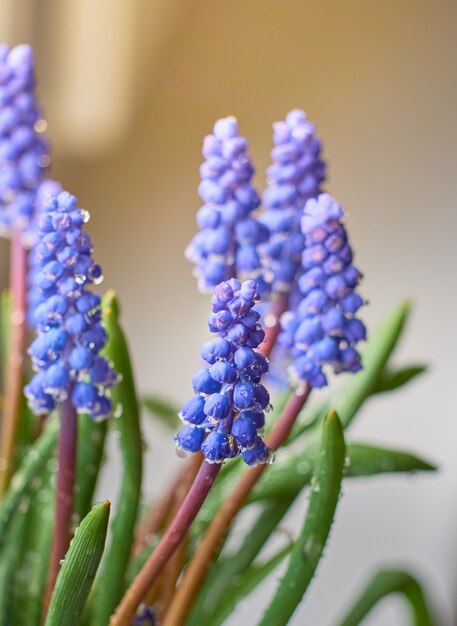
x: 67, y: 316
x: 24, y: 155
x: 324, y: 329
x: 227, y: 244
x: 227, y: 414
x: 294, y: 177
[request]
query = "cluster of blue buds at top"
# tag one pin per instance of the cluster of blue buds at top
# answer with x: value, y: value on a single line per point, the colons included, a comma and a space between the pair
x: 227, y: 414
x: 294, y: 177
x: 67, y: 316
x: 227, y: 244
x: 23, y: 152
x: 48, y: 189
x: 323, y: 328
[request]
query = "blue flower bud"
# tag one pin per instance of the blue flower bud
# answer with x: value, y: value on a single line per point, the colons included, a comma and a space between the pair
x: 244, y: 396
x: 257, y: 454
x: 217, y: 406
x: 203, y: 383
x: 192, y: 411
x: 215, y: 349
x: 223, y: 372
x: 217, y: 447
x: 244, y: 432
x: 190, y: 438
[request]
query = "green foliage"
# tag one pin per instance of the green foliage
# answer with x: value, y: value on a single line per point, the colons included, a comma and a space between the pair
x: 161, y: 409
x: 110, y: 583
x: 89, y: 461
x: 78, y: 569
x: 384, y: 583
x: 393, y: 379
x: 37, y: 456
x: 308, y: 549
x: 31, y: 573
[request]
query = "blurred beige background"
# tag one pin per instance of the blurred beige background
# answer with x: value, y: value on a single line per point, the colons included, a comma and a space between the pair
x: 130, y: 88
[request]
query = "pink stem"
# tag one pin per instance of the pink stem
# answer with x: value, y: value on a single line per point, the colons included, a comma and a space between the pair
x: 167, y: 545
x: 272, y: 322
x: 66, y: 455
x: 14, y: 373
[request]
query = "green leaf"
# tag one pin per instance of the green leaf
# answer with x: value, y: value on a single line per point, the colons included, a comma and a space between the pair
x: 30, y: 575
x: 89, y: 461
x: 228, y: 569
x: 78, y: 569
x: 290, y: 474
x: 393, y: 379
x: 366, y: 460
x: 162, y: 409
x: 110, y: 582
x: 308, y: 549
x: 5, y: 326
x: 385, y: 583
x: 37, y: 456
x: 9, y: 559
x: 239, y: 587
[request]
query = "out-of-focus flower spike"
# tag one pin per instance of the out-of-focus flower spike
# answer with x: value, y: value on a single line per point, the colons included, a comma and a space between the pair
x: 230, y: 402
x: 227, y: 243
x: 294, y: 177
x: 323, y: 328
x: 24, y: 154
x: 66, y: 314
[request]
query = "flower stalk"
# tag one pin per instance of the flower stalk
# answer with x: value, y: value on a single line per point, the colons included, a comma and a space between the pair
x: 14, y: 375
x: 167, y: 545
x: 66, y: 457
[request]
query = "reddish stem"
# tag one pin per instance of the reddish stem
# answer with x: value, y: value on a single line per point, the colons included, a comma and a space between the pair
x: 66, y: 456
x: 272, y: 322
x: 14, y: 373
x: 167, y: 545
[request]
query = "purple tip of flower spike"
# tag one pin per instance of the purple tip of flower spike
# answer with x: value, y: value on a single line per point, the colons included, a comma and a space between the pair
x: 144, y: 616
x: 24, y: 155
x: 294, y: 177
x: 66, y: 314
x: 226, y: 416
x: 229, y: 236
x: 323, y: 328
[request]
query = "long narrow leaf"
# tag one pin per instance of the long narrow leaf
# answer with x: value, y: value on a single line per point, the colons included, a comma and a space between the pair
x: 30, y: 576
x: 309, y: 547
x: 78, y: 569
x: 228, y: 569
x: 9, y: 560
x: 393, y: 379
x: 289, y: 476
x: 385, y: 583
x: 92, y: 434
x: 161, y: 409
x: 241, y: 586
x: 37, y: 456
x: 110, y: 582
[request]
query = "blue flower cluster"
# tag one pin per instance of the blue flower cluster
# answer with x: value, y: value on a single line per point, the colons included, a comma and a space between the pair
x: 227, y: 244
x: 23, y: 152
x: 45, y: 192
x: 323, y: 328
x: 67, y: 316
x: 230, y: 402
x: 144, y: 616
x: 295, y: 176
